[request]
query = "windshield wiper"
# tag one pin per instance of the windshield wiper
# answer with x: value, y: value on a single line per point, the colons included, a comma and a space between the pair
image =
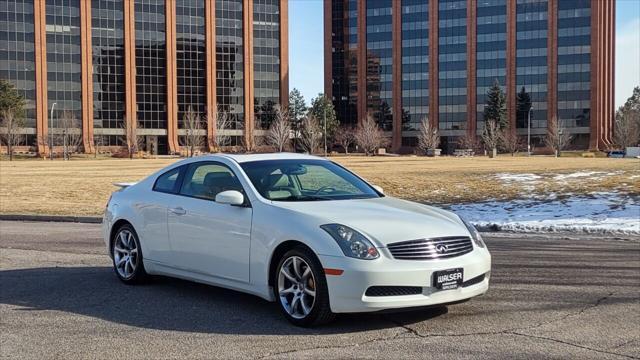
x: 305, y: 198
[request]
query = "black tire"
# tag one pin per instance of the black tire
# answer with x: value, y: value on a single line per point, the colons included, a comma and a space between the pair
x: 138, y: 275
x: 321, y: 311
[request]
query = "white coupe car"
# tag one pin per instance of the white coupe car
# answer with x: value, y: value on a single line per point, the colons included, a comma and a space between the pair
x: 296, y: 229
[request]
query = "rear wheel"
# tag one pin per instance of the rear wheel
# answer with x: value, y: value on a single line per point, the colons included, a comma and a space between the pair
x: 127, y: 255
x: 301, y: 289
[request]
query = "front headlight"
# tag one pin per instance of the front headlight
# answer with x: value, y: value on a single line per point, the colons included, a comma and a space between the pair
x: 352, y: 243
x: 475, y: 235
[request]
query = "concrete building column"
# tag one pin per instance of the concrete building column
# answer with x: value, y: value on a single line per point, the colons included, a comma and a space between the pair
x: 210, y: 49
x: 396, y: 10
x: 328, y: 49
x: 511, y: 64
x: 130, y: 68
x: 284, y: 53
x: 172, y: 79
x: 249, y: 117
x: 471, y: 67
x: 42, y: 105
x: 362, y: 60
x: 433, y: 64
x: 87, y: 76
x: 552, y: 61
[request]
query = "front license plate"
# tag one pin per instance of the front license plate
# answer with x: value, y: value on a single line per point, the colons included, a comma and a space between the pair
x: 447, y: 279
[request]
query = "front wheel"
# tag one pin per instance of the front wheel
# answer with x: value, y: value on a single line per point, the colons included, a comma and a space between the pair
x: 301, y: 289
x: 127, y: 255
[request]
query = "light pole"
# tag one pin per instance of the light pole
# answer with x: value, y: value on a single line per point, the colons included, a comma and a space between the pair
x: 529, y: 131
x: 51, y: 132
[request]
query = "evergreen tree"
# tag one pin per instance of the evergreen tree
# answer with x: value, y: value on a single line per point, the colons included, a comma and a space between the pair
x: 496, y: 108
x: 523, y: 106
x: 10, y: 98
x: 322, y: 107
x: 297, y: 106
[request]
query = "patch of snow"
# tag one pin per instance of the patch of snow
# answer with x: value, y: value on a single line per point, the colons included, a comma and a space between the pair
x: 605, y: 213
x: 507, y: 177
x: 582, y: 174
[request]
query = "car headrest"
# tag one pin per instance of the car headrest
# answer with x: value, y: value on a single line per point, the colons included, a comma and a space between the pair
x: 219, y: 179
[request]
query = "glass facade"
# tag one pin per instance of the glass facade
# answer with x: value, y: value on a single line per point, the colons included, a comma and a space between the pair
x: 151, y: 63
x: 266, y: 60
x: 229, y: 63
x: 531, y: 64
x: 17, y: 55
x: 380, y: 62
x: 452, y: 64
x: 574, y: 63
x: 491, y: 51
x: 415, y: 63
x: 191, y: 58
x: 107, y: 41
x: 64, y: 62
x: 345, y: 60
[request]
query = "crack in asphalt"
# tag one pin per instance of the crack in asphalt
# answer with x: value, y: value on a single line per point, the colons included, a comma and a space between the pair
x: 515, y: 331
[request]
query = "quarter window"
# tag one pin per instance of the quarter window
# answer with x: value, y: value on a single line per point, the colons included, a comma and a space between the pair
x: 167, y: 181
x: 206, y: 180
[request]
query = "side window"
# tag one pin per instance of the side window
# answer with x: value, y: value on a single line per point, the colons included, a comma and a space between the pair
x: 205, y: 180
x: 167, y: 182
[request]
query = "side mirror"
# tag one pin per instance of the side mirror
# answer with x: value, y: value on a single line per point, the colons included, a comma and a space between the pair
x: 230, y: 197
x: 378, y: 189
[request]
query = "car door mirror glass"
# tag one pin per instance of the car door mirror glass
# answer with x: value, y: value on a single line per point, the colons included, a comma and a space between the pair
x: 230, y: 197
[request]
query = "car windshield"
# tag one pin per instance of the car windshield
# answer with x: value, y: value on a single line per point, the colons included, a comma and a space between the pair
x: 305, y: 180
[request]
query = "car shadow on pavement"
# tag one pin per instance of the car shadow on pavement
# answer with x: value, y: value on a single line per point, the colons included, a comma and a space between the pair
x: 170, y: 304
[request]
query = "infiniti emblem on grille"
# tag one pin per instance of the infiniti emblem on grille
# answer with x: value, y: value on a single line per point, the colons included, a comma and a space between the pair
x: 441, y: 248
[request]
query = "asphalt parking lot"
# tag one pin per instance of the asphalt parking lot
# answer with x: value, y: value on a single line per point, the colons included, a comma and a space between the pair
x: 558, y: 296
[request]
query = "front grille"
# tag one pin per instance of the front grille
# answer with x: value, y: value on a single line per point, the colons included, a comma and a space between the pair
x: 393, y: 290
x: 431, y: 249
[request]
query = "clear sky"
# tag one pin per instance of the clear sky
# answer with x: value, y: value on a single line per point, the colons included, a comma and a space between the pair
x: 307, y: 57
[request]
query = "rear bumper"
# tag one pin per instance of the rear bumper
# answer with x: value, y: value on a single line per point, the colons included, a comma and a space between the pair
x: 347, y: 292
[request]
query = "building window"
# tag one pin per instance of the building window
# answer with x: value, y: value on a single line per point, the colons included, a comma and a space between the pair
x: 266, y: 56
x: 190, y: 32
x: 415, y: 64
x: 17, y: 52
x: 107, y: 40
x: 229, y: 63
x: 380, y: 63
x: 64, y: 62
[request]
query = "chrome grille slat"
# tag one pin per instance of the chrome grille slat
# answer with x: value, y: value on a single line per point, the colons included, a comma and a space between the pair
x: 426, y: 249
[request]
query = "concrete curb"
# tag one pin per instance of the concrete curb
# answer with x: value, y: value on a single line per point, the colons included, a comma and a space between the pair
x: 52, y: 218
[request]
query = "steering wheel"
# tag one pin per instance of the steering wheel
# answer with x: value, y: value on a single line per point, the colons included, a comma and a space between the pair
x: 324, y: 189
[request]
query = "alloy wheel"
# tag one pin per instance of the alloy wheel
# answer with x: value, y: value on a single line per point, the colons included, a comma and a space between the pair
x: 296, y: 287
x: 125, y: 254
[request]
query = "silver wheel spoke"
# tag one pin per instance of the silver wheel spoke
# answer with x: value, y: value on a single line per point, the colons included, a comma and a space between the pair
x: 120, y: 261
x: 133, y: 251
x: 123, y: 239
x: 287, y: 275
x: 305, y: 308
x: 310, y: 292
x: 306, y: 273
x: 120, y: 250
x: 296, y: 268
x: 130, y: 243
x: 287, y: 291
x: 294, y: 302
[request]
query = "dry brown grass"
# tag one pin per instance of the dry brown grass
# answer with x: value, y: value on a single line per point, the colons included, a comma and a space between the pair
x: 82, y: 187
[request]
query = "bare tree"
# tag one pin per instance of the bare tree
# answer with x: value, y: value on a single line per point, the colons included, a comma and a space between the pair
x: 70, y: 135
x: 223, y: 122
x: 627, y: 129
x: 346, y: 136
x: 491, y: 136
x: 98, y: 142
x: 369, y: 136
x: 511, y: 142
x: 428, y: 138
x: 193, y: 139
x: 132, y: 139
x: 310, y: 134
x: 279, y: 133
x: 469, y: 141
x: 558, y: 138
x: 10, y: 123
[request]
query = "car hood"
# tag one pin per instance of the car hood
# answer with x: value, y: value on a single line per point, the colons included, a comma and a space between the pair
x: 384, y: 220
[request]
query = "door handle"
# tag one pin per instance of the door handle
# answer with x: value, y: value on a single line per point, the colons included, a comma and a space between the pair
x: 178, y: 210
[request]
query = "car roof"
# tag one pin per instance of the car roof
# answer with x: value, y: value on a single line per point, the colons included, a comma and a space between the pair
x: 242, y: 158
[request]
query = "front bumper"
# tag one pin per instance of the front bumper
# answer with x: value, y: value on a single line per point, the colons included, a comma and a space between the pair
x: 347, y: 291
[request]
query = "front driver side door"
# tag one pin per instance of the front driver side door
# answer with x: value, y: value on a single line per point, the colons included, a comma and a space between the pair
x: 207, y: 237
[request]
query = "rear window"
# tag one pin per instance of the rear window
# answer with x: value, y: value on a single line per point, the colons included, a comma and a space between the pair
x: 167, y: 182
